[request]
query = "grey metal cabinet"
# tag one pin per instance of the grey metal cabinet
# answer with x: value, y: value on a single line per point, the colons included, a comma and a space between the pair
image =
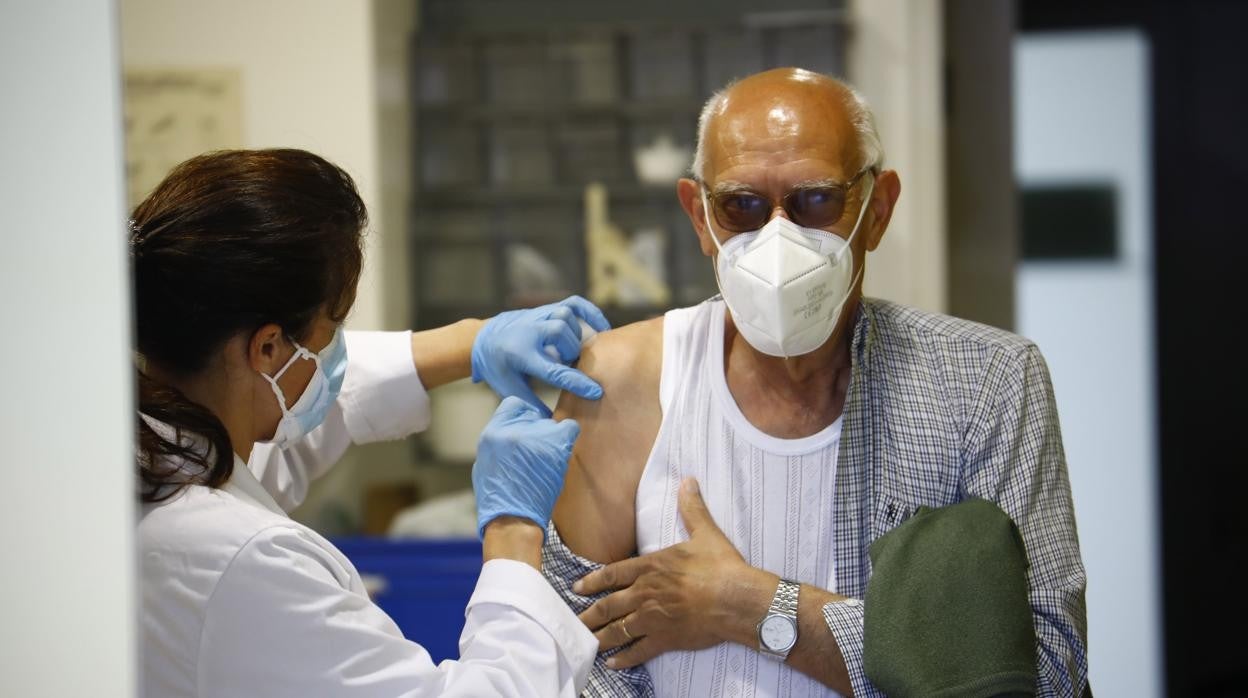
x: 521, y: 105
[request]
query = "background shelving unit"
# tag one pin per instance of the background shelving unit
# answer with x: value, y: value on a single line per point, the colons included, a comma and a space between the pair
x: 521, y: 105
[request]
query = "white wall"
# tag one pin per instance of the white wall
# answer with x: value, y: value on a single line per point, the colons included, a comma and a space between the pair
x: 329, y: 76
x: 309, y: 81
x: 895, y: 59
x: 1082, y: 112
x: 67, y: 522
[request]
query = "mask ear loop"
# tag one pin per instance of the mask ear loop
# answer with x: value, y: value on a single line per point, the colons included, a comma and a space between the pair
x: 300, y: 352
x: 862, y: 212
x: 866, y: 201
x: 706, y: 212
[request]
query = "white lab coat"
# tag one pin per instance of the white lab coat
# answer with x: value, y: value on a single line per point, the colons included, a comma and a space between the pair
x: 237, y: 599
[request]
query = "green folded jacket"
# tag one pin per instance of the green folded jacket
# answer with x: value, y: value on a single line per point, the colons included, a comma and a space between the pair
x: 946, y: 606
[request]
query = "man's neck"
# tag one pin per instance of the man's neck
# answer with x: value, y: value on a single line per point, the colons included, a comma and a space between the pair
x: 800, y: 374
x: 795, y: 396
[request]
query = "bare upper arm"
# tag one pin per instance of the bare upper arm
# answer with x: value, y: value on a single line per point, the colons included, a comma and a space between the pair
x: 595, y: 512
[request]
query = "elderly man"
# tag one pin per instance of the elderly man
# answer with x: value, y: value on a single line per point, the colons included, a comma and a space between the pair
x: 813, y: 419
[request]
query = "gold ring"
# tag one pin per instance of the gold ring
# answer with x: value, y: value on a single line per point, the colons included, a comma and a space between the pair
x: 625, y: 629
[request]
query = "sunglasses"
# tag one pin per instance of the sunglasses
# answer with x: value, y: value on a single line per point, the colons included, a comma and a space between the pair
x: 814, y: 206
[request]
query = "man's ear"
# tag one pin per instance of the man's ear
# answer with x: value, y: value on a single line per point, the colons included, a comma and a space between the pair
x: 883, y: 200
x: 689, y: 192
x: 264, y: 349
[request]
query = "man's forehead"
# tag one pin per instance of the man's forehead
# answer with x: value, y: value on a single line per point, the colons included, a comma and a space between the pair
x: 778, y: 118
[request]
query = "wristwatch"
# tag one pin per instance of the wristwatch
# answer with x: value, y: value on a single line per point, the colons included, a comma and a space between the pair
x: 777, y: 633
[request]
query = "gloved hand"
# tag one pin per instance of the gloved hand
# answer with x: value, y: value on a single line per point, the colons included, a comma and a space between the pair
x: 521, y: 461
x: 512, y: 345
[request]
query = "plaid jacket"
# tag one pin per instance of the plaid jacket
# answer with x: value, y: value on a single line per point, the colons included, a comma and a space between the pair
x: 939, y: 410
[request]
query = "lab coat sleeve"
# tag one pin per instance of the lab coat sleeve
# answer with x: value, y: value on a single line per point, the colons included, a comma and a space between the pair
x: 286, y: 620
x: 382, y: 399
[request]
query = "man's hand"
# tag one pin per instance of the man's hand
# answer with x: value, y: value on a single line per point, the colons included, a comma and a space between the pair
x: 686, y: 597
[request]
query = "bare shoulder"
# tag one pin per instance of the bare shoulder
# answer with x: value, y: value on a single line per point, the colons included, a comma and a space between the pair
x: 594, y: 514
x: 623, y: 355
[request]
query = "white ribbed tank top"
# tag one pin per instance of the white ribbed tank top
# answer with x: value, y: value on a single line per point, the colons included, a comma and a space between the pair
x: 772, y: 498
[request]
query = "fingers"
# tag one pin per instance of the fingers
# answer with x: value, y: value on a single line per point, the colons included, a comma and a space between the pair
x: 514, y: 417
x: 513, y: 406
x: 546, y: 367
x: 639, y: 652
x: 608, y: 608
x: 565, y: 339
x: 587, y: 311
x: 693, y: 510
x: 568, y: 430
x: 616, y: 575
x: 519, y: 390
x: 562, y: 313
x: 513, y: 383
x: 620, y: 632
x: 572, y: 381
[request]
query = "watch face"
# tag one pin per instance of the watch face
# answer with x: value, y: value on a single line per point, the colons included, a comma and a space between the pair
x: 777, y: 633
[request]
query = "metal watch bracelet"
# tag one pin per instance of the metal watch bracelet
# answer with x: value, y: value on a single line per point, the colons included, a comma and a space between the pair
x: 783, y: 609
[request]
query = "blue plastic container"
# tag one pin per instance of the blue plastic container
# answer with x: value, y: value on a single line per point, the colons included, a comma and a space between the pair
x: 424, y: 585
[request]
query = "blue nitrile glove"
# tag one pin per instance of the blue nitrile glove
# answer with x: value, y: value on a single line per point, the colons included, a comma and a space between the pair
x: 521, y: 459
x: 512, y: 345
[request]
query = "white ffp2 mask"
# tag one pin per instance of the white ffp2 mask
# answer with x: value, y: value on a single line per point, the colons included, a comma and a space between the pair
x: 786, y: 285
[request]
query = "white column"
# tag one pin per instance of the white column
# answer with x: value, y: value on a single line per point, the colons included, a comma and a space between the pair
x: 67, y: 522
x: 895, y: 59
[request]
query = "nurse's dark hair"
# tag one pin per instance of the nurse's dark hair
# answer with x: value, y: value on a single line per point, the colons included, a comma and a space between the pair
x: 231, y: 241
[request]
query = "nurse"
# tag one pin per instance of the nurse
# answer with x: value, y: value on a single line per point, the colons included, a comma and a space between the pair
x: 245, y: 265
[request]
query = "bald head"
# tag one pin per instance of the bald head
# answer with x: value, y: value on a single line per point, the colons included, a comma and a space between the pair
x: 786, y: 110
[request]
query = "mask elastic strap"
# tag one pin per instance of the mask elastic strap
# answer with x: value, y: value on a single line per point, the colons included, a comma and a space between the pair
x: 862, y: 212
x: 706, y: 211
x: 857, y: 276
x: 714, y: 267
x: 300, y: 351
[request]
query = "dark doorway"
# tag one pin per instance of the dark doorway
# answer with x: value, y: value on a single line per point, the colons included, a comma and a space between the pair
x: 1200, y: 169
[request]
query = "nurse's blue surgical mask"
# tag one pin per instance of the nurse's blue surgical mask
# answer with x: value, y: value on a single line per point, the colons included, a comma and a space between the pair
x: 310, y: 409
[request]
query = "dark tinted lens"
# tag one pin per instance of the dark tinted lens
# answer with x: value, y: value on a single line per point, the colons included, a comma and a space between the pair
x: 741, y: 211
x: 815, y: 207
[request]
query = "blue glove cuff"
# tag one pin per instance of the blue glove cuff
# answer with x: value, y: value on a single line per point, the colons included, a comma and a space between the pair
x: 475, y: 359
x: 484, y: 519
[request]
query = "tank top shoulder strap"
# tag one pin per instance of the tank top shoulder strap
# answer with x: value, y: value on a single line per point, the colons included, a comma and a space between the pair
x: 684, y: 347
